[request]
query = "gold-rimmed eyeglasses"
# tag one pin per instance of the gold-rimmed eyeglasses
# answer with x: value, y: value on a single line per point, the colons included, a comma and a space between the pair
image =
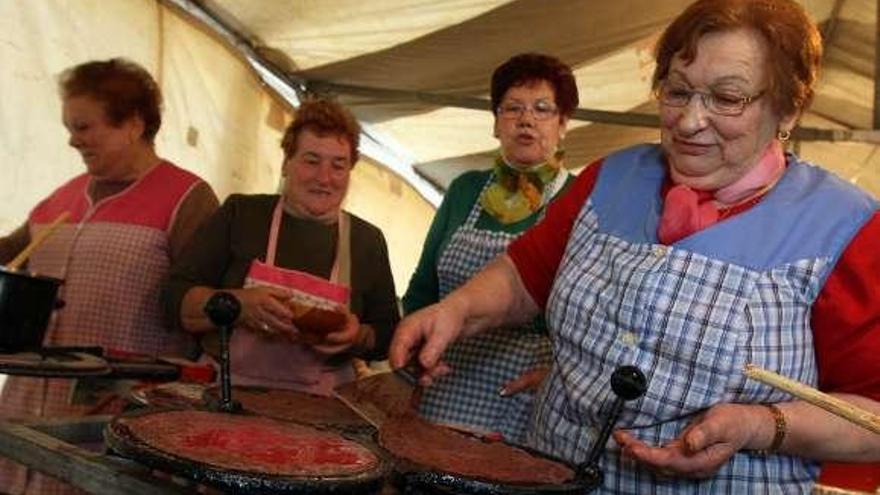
x: 719, y: 103
x: 541, y: 110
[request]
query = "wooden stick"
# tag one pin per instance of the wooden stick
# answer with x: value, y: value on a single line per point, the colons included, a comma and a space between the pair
x: 842, y: 408
x: 38, y: 239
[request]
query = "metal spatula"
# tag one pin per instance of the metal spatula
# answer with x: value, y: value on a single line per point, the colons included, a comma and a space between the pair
x: 381, y: 396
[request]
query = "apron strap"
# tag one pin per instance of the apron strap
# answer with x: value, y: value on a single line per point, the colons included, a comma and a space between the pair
x: 273, y: 232
x: 341, y: 271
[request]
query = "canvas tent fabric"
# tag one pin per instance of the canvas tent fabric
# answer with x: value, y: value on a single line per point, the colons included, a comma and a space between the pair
x: 223, y: 122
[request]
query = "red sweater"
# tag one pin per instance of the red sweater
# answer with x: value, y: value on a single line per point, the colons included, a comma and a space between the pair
x: 846, y: 315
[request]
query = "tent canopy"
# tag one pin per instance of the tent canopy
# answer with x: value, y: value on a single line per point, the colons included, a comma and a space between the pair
x: 415, y: 73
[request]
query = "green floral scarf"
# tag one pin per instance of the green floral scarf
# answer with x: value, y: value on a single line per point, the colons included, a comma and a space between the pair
x: 516, y: 194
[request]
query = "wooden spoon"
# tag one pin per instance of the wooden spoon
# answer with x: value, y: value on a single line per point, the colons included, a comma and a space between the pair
x: 37, y: 240
x: 839, y: 407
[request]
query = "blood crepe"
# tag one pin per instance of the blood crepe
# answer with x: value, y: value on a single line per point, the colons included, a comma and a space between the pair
x: 247, y: 443
x: 445, y: 450
x: 291, y: 405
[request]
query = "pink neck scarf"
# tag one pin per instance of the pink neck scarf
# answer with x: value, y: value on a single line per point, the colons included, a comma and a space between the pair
x: 686, y: 211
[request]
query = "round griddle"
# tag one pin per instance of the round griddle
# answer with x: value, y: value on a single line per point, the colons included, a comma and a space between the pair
x: 412, y: 476
x: 294, y: 406
x: 121, y: 439
x: 425, y: 480
x: 53, y: 364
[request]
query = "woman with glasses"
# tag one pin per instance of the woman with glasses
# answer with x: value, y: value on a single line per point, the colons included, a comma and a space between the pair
x: 533, y: 97
x: 690, y: 259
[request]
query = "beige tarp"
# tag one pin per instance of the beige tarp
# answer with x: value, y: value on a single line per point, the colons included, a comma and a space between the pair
x: 219, y: 120
x: 223, y: 123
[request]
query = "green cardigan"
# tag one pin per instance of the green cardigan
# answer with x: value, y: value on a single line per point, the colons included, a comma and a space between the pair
x: 464, y: 191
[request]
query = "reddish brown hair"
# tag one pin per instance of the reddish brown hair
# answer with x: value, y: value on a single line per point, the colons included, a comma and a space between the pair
x: 793, y: 41
x: 324, y: 118
x: 124, y: 88
x: 528, y: 68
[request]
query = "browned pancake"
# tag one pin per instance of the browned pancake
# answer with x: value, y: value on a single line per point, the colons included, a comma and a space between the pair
x: 290, y: 405
x: 441, y: 449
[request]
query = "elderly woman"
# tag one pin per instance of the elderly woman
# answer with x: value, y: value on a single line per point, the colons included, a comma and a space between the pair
x: 533, y: 97
x: 264, y: 248
x: 131, y: 213
x: 689, y: 260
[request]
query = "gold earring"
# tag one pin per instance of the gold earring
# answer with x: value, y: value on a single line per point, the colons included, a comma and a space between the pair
x: 783, y: 135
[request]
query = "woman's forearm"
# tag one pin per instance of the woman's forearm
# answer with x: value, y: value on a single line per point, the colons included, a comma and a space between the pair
x: 495, y: 297
x: 817, y: 434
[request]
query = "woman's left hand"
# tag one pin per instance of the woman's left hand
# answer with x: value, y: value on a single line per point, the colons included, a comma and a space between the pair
x: 351, y: 334
x: 704, y: 446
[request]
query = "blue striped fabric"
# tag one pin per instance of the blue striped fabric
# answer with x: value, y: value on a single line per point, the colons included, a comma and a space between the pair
x: 690, y: 320
x: 468, y: 397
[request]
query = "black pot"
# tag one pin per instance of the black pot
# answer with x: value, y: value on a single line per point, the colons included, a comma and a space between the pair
x: 26, y: 303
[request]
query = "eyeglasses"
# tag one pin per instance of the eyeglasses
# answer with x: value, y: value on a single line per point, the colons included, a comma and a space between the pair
x: 731, y: 105
x: 541, y: 110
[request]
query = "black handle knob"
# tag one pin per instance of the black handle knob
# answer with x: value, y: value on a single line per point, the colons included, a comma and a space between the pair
x: 628, y: 383
x: 222, y: 309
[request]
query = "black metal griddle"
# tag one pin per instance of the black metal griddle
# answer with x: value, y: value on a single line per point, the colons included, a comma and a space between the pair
x: 119, y: 438
x: 627, y: 383
x: 413, y: 478
x: 352, y: 424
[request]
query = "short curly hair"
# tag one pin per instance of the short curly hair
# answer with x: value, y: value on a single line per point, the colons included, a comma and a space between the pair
x: 124, y: 88
x: 527, y: 68
x: 793, y: 41
x: 323, y: 117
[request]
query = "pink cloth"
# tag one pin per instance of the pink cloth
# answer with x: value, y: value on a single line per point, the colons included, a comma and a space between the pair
x: 686, y: 210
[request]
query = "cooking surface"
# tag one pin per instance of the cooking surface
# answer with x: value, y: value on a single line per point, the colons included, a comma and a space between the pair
x: 450, y: 451
x: 247, y: 454
x: 246, y: 443
x: 290, y: 405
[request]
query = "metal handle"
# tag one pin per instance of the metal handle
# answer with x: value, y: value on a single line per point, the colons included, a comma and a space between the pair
x: 627, y: 383
x: 223, y: 309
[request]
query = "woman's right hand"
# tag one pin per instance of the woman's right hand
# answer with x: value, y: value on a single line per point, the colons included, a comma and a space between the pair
x: 264, y: 310
x: 423, y: 336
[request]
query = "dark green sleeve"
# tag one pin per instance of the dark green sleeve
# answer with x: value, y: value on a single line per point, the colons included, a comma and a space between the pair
x: 203, y: 261
x: 380, y: 308
x: 424, y: 289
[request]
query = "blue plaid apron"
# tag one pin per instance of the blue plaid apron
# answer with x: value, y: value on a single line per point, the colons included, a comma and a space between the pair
x: 689, y: 315
x: 468, y: 397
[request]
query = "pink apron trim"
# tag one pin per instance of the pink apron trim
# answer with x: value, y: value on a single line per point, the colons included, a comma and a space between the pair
x: 312, y: 288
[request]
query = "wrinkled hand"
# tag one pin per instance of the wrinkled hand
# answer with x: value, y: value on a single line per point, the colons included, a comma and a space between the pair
x: 340, y: 340
x: 423, y: 336
x: 704, y: 446
x: 264, y: 310
x: 528, y: 381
